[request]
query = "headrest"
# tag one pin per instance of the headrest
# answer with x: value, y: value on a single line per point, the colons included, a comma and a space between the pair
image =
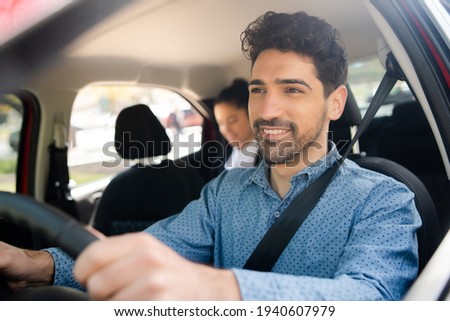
x: 409, y: 117
x: 351, y: 115
x: 139, y: 134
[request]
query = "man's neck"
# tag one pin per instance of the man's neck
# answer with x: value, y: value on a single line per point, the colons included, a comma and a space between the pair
x: 281, y: 174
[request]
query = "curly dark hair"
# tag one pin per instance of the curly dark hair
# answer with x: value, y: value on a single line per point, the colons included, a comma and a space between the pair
x: 304, y: 34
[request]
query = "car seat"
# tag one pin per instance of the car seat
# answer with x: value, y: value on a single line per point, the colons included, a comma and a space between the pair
x: 145, y: 192
x: 407, y: 139
x: 429, y: 235
x: 343, y: 129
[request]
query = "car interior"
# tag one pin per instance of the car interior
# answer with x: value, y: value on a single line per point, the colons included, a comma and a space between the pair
x: 123, y: 206
x: 87, y: 86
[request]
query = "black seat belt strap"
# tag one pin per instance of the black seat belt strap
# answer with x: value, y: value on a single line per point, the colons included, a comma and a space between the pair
x: 385, y: 87
x: 273, y: 243
x: 278, y: 236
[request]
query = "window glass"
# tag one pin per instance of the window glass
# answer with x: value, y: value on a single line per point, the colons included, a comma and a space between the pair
x: 91, y: 137
x: 364, y: 77
x: 11, y: 111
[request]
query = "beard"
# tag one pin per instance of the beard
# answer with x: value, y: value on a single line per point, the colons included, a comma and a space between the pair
x: 291, y: 150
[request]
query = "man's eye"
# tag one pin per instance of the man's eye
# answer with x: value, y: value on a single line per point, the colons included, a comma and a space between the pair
x: 256, y: 90
x: 293, y: 90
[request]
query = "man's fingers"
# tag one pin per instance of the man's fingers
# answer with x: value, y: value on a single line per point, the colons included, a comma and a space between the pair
x: 103, y: 252
x: 122, y: 275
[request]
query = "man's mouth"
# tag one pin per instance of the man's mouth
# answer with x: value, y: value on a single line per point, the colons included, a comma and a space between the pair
x: 270, y: 133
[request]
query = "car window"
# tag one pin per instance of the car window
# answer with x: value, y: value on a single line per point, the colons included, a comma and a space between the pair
x: 364, y: 76
x: 92, y: 155
x: 11, y: 111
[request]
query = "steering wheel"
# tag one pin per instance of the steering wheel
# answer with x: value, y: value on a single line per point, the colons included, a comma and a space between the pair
x: 57, y: 227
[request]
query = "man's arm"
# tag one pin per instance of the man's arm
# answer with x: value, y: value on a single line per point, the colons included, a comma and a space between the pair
x: 379, y: 263
x: 24, y: 268
x: 137, y: 266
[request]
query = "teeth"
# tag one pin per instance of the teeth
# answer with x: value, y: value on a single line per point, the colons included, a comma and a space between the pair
x: 274, y: 131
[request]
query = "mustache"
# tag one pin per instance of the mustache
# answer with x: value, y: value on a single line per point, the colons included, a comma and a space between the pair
x: 274, y: 122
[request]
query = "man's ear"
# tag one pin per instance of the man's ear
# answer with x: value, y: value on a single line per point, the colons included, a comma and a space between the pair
x: 337, y: 101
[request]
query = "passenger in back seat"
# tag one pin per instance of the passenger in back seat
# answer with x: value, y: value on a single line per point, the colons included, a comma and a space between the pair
x: 231, y: 113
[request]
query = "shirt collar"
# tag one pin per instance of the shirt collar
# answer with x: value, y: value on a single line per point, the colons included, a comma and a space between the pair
x: 312, y: 172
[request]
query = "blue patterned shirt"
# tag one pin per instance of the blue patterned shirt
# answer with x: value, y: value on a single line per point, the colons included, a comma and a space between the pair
x: 358, y: 243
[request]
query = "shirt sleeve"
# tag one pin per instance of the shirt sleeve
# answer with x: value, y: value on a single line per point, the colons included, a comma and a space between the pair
x: 379, y: 262
x: 64, y: 265
x: 191, y: 233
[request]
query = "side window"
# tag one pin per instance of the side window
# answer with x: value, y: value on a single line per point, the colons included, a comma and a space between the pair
x: 91, y: 153
x: 11, y: 111
x: 364, y: 77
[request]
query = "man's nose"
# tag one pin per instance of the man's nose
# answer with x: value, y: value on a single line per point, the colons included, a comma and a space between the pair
x: 270, y: 107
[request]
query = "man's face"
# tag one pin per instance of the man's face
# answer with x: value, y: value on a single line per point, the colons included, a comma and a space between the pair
x: 287, y: 107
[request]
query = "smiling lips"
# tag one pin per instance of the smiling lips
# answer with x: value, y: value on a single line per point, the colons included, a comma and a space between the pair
x: 274, y: 133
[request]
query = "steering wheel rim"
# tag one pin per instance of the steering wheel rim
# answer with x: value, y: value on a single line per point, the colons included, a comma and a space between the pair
x: 53, y: 224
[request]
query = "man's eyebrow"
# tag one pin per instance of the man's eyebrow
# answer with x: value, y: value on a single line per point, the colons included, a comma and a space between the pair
x: 259, y: 82
x: 293, y: 81
x: 256, y: 82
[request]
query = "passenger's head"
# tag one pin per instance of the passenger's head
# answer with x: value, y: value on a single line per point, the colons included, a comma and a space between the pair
x: 231, y: 113
x: 306, y: 35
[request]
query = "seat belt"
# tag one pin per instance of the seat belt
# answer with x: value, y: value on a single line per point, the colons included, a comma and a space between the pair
x: 272, y: 245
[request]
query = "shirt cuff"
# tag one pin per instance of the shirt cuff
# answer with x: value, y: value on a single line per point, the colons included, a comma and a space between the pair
x: 63, y: 275
x: 256, y: 286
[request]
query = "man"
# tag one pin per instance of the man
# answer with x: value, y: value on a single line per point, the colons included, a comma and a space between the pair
x: 358, y: 243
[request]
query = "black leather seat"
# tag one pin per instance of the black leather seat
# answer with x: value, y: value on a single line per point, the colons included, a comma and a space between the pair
x: 144, y: 193
x: 408, y: 140
x: 430, y: 234
x: 341, y: 129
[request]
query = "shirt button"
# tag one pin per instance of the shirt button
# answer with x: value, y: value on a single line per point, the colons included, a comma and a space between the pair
x: 277, y: 214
